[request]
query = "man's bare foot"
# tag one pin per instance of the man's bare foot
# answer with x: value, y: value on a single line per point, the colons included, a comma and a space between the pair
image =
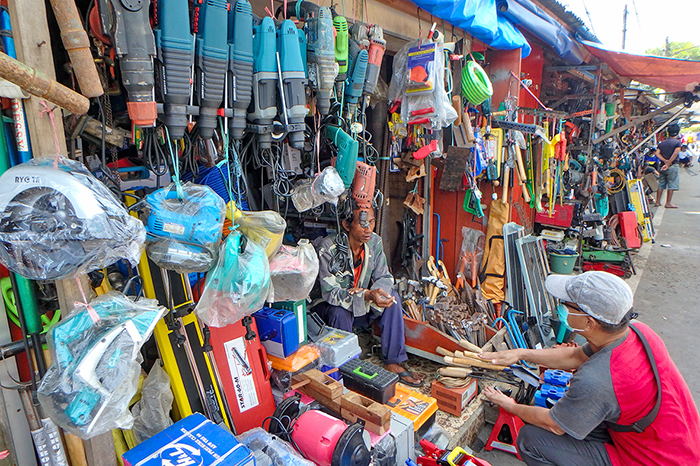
x: 405, y: 376
x: 656, y: 204
x: 671, y: 206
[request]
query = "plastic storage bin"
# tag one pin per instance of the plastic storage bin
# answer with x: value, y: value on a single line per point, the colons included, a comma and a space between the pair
x: 299, y: 309
x: 278, y: 331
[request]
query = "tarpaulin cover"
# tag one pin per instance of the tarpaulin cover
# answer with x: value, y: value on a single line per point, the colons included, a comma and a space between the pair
x: 479, y: 18
x: 670, y: 74
x: 539, y: 23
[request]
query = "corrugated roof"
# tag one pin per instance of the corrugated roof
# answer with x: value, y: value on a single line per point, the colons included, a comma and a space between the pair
x: 570, y: 19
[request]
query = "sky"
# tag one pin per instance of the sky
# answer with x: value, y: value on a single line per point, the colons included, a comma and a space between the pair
x: 648, y: 24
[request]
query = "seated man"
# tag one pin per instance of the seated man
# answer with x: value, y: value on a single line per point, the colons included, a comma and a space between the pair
x: 613, y: 413
x: 361, y: 292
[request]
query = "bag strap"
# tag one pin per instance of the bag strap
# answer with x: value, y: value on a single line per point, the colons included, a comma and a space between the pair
x: 646, y: 421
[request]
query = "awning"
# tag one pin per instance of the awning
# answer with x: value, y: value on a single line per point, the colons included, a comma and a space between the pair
x: 670, y: 74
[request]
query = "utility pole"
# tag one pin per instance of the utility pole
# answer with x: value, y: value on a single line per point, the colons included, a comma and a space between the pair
x: 624, y: 26
x: 667, y: 49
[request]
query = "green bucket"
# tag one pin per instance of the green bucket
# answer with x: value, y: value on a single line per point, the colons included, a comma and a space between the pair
x: 562, y: 263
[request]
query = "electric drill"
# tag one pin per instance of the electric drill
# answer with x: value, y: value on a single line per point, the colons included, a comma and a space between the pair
x: 355, y: 82
x: 293, y: 97
x: 348, y: 148
x: 211, y: 61
x: 321, y: 56
x: 132, y: 38
x: 263, y: 108
x: 175, y: 46
x: 341, y: 46
x: 377, y: 47
x: 240, y: 64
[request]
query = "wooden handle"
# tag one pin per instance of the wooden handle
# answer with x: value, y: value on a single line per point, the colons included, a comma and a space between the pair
x: 77, y: 44
x: 40, y: 85
x: 473, y: 362
x: 467, y: 123
x: 470, y: 346
x: 453, y: 372
x: 506, y: 180
x: 519, y: 163
x: 457, y: 105
x: 444, y: 352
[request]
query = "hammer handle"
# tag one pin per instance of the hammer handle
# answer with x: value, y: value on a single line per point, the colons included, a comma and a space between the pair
x: 473, y: 362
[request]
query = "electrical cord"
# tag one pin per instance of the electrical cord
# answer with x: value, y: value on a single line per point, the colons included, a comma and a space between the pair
x: 285, y: 431
x: 153, y: 155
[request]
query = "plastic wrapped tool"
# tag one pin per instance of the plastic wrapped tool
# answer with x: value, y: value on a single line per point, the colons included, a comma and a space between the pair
x: 328, y: 186
x: 95, y: 368
x: 473, y: 242
x: 61, y: 222
x: 294, y: 271
x: 184, y: 231
x: 238, y: 285
x: 265, y: 227
x: 152, y: 412
x: 270, y: 450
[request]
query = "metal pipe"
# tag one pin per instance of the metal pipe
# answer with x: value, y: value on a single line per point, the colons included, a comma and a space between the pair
x: 668, y: 122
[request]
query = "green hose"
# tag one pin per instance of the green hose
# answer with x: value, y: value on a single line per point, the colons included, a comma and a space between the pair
x: 476, y: 85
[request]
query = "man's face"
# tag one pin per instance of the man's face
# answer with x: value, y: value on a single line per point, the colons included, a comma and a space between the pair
x: 362, y: 225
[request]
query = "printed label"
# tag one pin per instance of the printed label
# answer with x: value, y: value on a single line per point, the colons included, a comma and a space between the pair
x: 174, y: 228
x: 241, y: 374
x: 301, y: 320
x: 414, y: 406
x: 333, y: 338
x: 28, y: 179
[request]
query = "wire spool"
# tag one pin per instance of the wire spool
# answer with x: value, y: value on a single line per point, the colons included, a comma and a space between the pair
x: 616, y: 181
x: 476, y: 85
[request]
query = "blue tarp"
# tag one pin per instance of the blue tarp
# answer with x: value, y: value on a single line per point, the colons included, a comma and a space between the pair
x: 532, y: 18
x: 481, y: 20
x: 493, y: 22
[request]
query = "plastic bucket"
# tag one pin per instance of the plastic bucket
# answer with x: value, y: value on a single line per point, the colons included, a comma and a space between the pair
x: 562, y: 263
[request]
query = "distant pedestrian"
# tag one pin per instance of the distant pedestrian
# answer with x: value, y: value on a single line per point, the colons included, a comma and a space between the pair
x: 667, y: 153
x: 685, y: 156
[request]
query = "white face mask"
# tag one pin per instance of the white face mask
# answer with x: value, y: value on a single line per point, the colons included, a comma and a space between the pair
x: 563, y: 313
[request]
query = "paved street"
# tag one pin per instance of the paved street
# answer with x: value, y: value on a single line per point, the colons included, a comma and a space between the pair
x: 667, y: 289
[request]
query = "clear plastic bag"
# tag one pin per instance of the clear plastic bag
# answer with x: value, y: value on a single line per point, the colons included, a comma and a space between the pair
x: 294, y: 271
x: 96, y: 364
x: 473, y: 242
x: 384, y: 452
x: 397, y: 86
x: 270, y: 450
x: 265, y: 228
x: 184, y: 229
x: 328, y: 186
x: 152, y: 412
x: 61, y: 222
x: 238, y: 285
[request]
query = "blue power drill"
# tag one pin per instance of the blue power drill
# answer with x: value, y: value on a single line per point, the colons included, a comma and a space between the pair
x: 263, y: 108
x: 356, y: 81
x: 240, y: 64
x: 211, y: 61
x: 293, y: 79
x: 175, y: 46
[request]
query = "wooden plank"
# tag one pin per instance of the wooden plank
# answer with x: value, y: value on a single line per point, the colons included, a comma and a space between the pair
x: 33, y: 42
x: 321, y: 383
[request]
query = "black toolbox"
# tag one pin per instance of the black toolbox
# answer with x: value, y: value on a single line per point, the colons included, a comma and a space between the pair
x: 365, y: 378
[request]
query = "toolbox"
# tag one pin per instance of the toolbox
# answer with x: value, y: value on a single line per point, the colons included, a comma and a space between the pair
x: 413, y: 405
x: 402, y: 429
x: 365, y: 378
x: 278, y: 331
x: 299, y: 309
x: 241, y: 361
x: 561, y: 216
x: 628, y: 228
x: 193, y: 440
x: 337, y: 347
x: 454, y: 400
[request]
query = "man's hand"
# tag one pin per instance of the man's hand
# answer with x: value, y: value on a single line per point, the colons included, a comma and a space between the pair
x: 665, y: 167
x: 380, y: 298
x: 358, y: 291
x: 503, y: 358
x: 497, y: 397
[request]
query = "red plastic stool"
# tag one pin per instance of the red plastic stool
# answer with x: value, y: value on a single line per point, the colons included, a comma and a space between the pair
x: 514, y: 424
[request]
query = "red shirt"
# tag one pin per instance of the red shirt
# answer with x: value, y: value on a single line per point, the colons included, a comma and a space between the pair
x: 674, y: 436
x: 357, y: 267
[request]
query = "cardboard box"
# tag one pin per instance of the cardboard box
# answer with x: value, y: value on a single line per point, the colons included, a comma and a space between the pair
x: 194, y: 440
x: 454, y: 400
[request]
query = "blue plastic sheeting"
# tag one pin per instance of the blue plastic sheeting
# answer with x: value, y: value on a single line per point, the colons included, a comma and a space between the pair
x: 481, y: 20
x: 529, y: 16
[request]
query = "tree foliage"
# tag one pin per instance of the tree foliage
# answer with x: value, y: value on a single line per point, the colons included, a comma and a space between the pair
x: 684, y: 50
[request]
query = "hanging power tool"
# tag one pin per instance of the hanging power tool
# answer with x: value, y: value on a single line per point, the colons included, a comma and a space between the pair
x: 323, y: 439
x: 347, y: 151
x: 128, y: 26
x: 320, y: 49
x: 263, y: 107
x: 292, y: 81
x: 377, y: 47
x: 356, y: 80
x: 364, y: 184
x: 211, y: 61
x: 240, y: 64
x: 341, y: 51
x: 175, y: 47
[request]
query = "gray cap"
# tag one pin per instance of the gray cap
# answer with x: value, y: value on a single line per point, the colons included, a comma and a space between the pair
x: 602, y: 295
